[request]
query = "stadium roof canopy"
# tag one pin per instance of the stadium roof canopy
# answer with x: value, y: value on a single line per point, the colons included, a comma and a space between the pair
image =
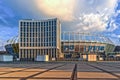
x: 85, y: 37
x: 13, y: 40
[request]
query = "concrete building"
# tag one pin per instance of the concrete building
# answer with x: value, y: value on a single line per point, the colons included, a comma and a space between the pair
x: 39, y: 37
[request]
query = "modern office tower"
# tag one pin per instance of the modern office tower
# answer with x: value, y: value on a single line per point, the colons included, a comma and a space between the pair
x: 39, y: 37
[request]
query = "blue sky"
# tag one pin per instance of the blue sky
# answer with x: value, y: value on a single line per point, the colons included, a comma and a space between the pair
x: 102, y: 16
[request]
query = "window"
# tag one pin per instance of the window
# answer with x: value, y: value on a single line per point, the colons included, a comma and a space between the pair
x: 52, y: 23
x: 41, y: 23
x: 33, y: 23
x: 21, y: 23
x: 27, y: 23
x: 44, y: 23
x: 41, y: 28
x: 102, y: 47
x: 49, y: 44
x: 54, y: 43
x: 30, y: 24
x: 24, y: 23
x: 55, y: 22
x: 49, y: 23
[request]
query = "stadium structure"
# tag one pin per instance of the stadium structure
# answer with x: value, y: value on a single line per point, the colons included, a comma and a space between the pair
x: 12, y: 46
x: 76, y: 44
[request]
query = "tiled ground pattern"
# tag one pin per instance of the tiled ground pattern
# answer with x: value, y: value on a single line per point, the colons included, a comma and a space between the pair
x: 60, y: 71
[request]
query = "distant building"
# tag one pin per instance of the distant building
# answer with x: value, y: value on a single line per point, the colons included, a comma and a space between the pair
x: 39, y: 37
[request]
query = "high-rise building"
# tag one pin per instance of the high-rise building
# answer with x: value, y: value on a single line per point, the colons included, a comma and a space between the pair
x: 39, y: 37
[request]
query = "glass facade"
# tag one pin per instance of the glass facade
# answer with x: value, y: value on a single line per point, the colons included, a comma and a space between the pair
x: 70, y: 48
x: 86, y: 48
x: 39, y: 38
x: 84, y: 43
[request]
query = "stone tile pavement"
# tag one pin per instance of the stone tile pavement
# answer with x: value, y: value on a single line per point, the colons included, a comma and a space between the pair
x: 60, y: 71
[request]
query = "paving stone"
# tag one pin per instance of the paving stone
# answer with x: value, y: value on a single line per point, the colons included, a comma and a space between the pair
x: 55, y: 74
x: 93, y: 75
x: 18, y: 74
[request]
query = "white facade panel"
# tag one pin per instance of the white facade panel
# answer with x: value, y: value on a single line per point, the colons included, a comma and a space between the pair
x: 42, y: 58
x: 6, y: 58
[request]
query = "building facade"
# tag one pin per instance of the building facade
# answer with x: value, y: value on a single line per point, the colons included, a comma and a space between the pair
x: 39, y: 37
x: 74, y: 44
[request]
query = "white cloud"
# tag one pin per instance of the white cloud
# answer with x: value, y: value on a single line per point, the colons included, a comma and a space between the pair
x: 92, y: 22
x: 62, y: 9
x: 96, y: 14
x: 113, y: 26
x: 87, y: 15
x: 114, y: 35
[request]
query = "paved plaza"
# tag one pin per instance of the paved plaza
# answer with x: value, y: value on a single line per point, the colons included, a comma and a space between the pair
x: 60, y: 71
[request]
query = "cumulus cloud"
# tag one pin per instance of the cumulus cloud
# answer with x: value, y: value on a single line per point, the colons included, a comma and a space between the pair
x: 112, y: 35
x: 113, y: 23
x: 96, y: 15
x: 63, y: 9
x: 85, y: 15
x: 92, y: 22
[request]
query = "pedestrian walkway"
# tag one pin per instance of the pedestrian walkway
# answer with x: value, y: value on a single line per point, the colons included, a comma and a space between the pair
x: 60, y: 71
